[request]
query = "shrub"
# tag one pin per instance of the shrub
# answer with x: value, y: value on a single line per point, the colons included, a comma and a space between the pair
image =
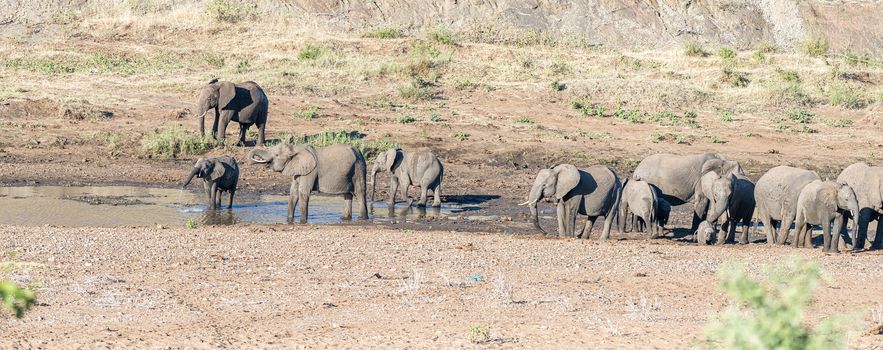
x: 726, y: 53
x: 384, y: 33
x: 479, y: 334
x: 333, y: 137
x: 310, y: 52
x: 243, y: 66
x: 734, y: 78
x: 461, y: 136
x: 191, y: 223
x: 16, y: 299
x: 558, y: 86
x: 675, y: 137
x: 854, y: 59
x: 407, y: 119
x: 310, y: 112
x: 173, y: 142
x: 442, y: 36
x: 230, y: 11
x: 843, y: 95
x: 524, y: 120
x: 694, y: 49
x: 799, y: 116
x: 813, y: 46
x: 788, y: 75
x: 770, y: 314
x: 726, y: 116
x: 786, y: 93
x: 417, y: 90
x: 435, y: 118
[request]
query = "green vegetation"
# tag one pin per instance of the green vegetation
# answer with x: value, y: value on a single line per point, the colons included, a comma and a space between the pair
x: 230, y: 11
x: 243, y: 66
x: 726, y: 53
x: 788, y: 75
x: 308, y: 113
x: 191, y: 223
x: 417, y: 90
x: 853, y: 59
x: 734, y: 78
x: 799, y: 116
x: 593, y: 135
x: 813, y: 46
x: 694, y: 49
x: 16, y: 299
x: 101, y: 62
x: 843, y: 95
x: 384, y: 33
x: 442, y: 36
x: 839, y: 123
x: 727, y: 116
x: 714, y: 139
x: 435, y: 118
x: 479, y: 333
x: 558, y: 86
x: 407, y: 119
x: 173, y: 142
x: 524, y: 120
x: 587, y: 108
x: 310, y: 52
x: 786, y: 94
x: 461, y: 136
x: 369, y: 148
x: 770, y: 314
x: 673, y: 137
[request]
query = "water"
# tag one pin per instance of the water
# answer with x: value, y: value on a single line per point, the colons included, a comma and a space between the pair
x: 112, y: 206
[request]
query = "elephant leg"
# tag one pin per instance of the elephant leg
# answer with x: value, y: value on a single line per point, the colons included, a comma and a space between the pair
x: 807, y: 235
x: 226, y: 116
x: 860, y: 234
x: 304, y: 208
x: 608, y: 222
x: 208, y: 192
x: 572, y: 212
x: 590, y: 224
x: 878, y: 235
x: 243, y: 128
x: 422, y: 202
x: 699, y: 210
x: 561, y: 217
x: 218, y: 199
x: 785, y: 229
x: 230, y: 201
x: 436, y: 194
x: 769, y: 228
x: 215, y: 125
x: 746, y: 225
x: 722, y: 233
x: 623, y: 216
x: 214, y: 195
x: 260, y: 142
x: 347, y: 207
x: 799, y: 228
x: 293, y: 197
x: 834, y: 245
x: 827, y: 238
x: 393, y: 189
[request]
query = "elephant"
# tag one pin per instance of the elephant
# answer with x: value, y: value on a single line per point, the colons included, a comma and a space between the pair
x: 677, y: 177
x: 704, y: 232
x: 663, y: 212
x: 244, y: 103
x: 593, y: 192
x: 867, y: 181
x: 639, y: 200
x: 219, y: 174
x: 740, y: 209
x: 819, y: 203
x: 776, y: 194
x: 337, y: 169
x: 420, y: 168
x: 714, y: 195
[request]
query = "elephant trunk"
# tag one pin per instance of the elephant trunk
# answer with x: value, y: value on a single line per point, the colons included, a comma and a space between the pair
x: 535, y: 195
x: 190, y: 177
x: 259, y: 156
x: 718, y: 207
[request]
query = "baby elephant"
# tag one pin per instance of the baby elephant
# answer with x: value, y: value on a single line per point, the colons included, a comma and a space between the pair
x: 819, y: 203
x: 419, y: 168
x: 639, y: 201
x: 219, y: 174
x: 740, y: 209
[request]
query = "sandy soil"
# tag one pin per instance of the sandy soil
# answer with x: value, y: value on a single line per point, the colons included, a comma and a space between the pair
x: 357, y: 286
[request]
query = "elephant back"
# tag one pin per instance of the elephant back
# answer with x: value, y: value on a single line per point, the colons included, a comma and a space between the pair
x: 600, y: 187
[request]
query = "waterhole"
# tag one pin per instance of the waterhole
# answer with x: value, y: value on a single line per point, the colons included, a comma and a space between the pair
x: 112, y: 206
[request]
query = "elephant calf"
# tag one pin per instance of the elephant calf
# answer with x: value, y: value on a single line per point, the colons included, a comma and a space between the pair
x: 219, y: 174
x: 820, y: 203
x: 776, y: 195
x: 740, y: 209
x: 420, y: 168
x: 640, y: 201
x: 592, y: 192
x: 336, y: 169
x: 713, y: 198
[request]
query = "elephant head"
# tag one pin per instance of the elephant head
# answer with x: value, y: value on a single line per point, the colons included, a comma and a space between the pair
x: 847, y: 201
x: 386, y: 161
x: 291, y: 160
x: 214, y: 95
x: 551, y: 184
x: 719, y: 191
x: 206, y: 169
x: 722, y: 166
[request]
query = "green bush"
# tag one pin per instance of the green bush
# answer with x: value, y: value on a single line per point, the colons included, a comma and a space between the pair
x: 813, y: 46
x: 770, y: 314
x: 16, y: 299
x: 694, y: 49
x: 407, y: 119
x: 384, y: 33
x: 442, y: 36
x: 310, y: 52
x: 191, y: 223
x: 173, y: 142
x: 799, y: 116
x: 726, y: 53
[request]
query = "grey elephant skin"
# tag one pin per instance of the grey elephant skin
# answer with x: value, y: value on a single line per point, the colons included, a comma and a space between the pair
x: 776, y: 195
x: 740, y: 209
x: 714, y: 195
x: 218, y: 174
x: 420, y: 168
x: 867, y: 182
x: 244, y: 103
x: 639, y: 201
x: 337, y: 169
x: 820, y: 203
x: 678, y: 178
x: 593, y: 192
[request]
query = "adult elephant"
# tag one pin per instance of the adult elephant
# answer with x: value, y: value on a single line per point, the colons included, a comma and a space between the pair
x: 337, y: 169
x: 867, y: 182
x: 776, y: 194
x: 244, y: 103
x: 678, y: 179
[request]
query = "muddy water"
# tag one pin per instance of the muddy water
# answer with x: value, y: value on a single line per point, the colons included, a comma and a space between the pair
x: 110, y: 206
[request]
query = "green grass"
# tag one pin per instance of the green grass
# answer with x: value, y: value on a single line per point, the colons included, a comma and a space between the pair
x: 726, y: 53
x: 813, y: 46
x: 384, y: 33
x: 230, y: 11
x: 839, y: 123
x: 799, y: 116
x: 734, y: 78
x: 173, y: 142
x: 310, y: 52
x: 770, y: 314
x: 103, y: 62
x: 479, y: 333
x: 726, y: 116
x: 788, y: 75
x: 586, y: 108
x: 593, y: 135
x: 680, y: 138
x: 417, y: 90
x: 368, y: 148
x: 16, y: 299
x: 435, y: 118
x: 407, y: 119
x: 308, y: 113
x: 694, y: 49
x: 524, y: 120
x: 442, y: 36
x: 714, y: 139
x: 854, y: 59
x: 843, y: 95
x: 461, y: 136
x: 243, y: 66
x: 191, y: 223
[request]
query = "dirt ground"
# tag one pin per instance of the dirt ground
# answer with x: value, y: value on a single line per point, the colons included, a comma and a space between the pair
x: 363, y: 286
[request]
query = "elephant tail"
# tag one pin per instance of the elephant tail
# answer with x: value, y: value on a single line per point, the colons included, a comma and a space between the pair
x: 616, y: 204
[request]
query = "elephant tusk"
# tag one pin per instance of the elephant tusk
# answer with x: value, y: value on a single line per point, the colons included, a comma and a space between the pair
x: 527, y: 203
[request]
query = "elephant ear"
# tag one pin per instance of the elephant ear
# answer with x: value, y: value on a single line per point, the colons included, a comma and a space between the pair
x: 226, y: 93
x: 707, y: 183
x: 712, y: 165
x: 302, y: 162
x: 218, y: 169
x: 393, y: 156
x: 568, y: 178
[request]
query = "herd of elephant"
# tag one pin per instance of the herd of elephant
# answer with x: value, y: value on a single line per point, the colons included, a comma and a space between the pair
x: 717, y: 189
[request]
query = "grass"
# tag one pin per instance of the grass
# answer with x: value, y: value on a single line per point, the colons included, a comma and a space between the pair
x: 16, y: 299
x: 777, y: 93
x: 173, y: 142
x: 435, y: 118
x: 680, y: 138
x: 368, y: 148
x: 407, y: 119
x: 770, y: 314
x: 524, y: 120
x: 558, y: 86
x: 726, y: 116
x: 839, y: 123
x: 230, y: 11
x: 442, y: 36
x: 799, y: 116
x: 726, y: 53
x: 461, y: 136
x: 191, y: 223
x: 787, y: 75
x: 694, y: 49
x: 842, y: 95
x: 586, y: 108
x: 479, y: 333
x: 308, y: 113
x: 384, y: 33
x: 310, y: 52
x: 417, y: 91
x: 734, y: 78
x: 593, y: 135
x: 813, y: 46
